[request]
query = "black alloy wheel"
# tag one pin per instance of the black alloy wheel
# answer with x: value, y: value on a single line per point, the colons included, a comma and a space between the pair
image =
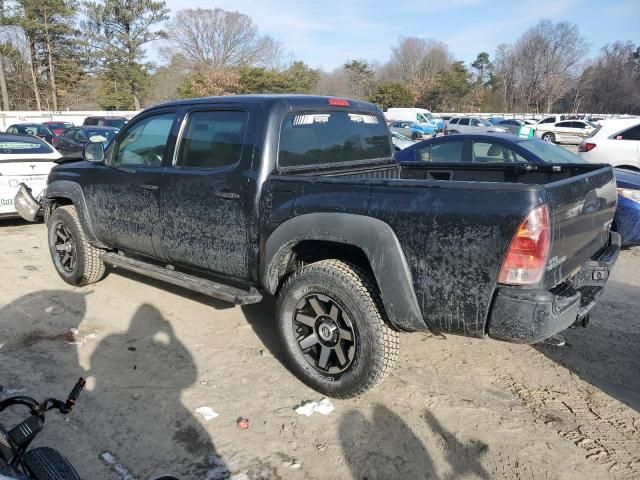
x: 324, y: 333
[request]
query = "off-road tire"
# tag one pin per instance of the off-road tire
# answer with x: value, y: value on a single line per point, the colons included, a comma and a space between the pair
x: 88, y: 268
x: 353, y: 290
x: 549, y: 137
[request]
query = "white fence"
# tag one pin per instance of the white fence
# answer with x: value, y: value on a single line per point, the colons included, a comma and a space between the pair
x: 9, y: 118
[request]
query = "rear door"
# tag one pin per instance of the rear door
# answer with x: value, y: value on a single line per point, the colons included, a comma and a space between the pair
x: 205, y: 194
x: 123, y: 194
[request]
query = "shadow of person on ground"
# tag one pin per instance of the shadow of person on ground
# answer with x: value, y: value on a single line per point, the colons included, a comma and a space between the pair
x: 606, y: 354
x: 462, y: 458
x: 139, y: 378
x: 132, y: 407
x: 383, y: 448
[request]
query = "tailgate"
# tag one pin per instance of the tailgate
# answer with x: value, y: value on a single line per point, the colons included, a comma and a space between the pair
x: 582, y: 209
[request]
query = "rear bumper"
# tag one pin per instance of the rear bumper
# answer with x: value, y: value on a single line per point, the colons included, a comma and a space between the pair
x: 529, y: 316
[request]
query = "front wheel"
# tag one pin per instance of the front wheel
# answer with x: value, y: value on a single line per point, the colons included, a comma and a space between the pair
x: 77, y: 261
x: 549, y: 137
x: 332, y: 325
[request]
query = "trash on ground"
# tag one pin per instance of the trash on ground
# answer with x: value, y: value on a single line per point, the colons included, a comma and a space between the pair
x: 207, y: 413
x: 293, y: 465
x: 76, y: 339
x: 324, y: 406
x: 243, y: 423
x: 110, y: 459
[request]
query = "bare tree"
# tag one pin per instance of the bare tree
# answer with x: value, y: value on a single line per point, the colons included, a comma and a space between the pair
x: 216, y: 38
x: 416, y: 62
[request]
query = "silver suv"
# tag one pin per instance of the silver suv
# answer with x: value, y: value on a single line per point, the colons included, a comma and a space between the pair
x: 472, y: 125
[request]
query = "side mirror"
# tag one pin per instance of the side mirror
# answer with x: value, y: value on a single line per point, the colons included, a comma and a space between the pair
x: 93, y: 152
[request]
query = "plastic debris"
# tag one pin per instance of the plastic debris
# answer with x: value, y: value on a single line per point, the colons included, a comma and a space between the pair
x: 207, y: 413
x: 110, y: 459
x: 324, y: 406
x: 293, y: 464
x: 243, y: 423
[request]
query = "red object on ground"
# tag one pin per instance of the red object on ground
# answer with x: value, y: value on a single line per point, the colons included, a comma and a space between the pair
x: 243, y: 423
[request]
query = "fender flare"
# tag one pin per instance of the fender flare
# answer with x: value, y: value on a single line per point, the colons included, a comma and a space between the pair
x: 374, y: 237
x: 73, y: 192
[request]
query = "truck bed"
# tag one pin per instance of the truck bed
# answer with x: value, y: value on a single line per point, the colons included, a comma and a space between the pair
x: 455, y: 223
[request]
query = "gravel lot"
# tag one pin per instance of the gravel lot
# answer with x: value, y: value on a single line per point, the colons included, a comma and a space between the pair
x: 454, y: 407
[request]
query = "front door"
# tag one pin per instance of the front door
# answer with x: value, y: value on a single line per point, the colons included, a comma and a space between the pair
x: 123, y: 194
x: 205, y: 194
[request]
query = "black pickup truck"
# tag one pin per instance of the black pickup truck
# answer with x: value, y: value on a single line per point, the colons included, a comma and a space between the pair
x: 299, y: 197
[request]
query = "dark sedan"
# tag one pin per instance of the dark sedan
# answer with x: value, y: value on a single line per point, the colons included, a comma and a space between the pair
x: 507, y: 148
x: 72, y: 141
x: 34, y: 129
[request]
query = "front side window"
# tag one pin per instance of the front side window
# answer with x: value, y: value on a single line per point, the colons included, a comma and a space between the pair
x: 632, y: 133
x: 442, y: 152
x: 492, y: 152
x: 548, y: 120
x: 144, y: 144
x: 327, y: 137
x: 565, y: 124
x: 212, y: 139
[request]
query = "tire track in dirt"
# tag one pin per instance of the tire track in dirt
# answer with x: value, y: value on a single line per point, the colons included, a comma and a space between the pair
x: 608, y: 435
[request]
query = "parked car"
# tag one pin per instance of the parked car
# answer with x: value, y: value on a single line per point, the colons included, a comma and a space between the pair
x: 23, y: 159
x: 114, y: 121
x: 72, y: 141
x: 35, y: 129
x: 495, y: 120
x: 627, y: 219
x: 57, y: 127
x: 494, y: 150
x: 299, y: 196
x: 414, y: 130
x: 472, y: 125
x: 400, y: 141
x: 550, y: 119
x: 567, y: 131
x: 513, y: 124
x: 415, y: 115
x: 616, y: 142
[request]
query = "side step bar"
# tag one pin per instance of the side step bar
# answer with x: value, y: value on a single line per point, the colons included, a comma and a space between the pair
x: 190, y: 282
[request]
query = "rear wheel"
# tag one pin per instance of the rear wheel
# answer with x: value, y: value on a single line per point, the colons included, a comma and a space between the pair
x: 77, y: 262
x: 416, y: 136
x: 549, y: 137
x: 332, y: 326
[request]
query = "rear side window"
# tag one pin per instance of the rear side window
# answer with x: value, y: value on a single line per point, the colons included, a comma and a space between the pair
x: 548, y: 120
x: 565, y: 124
x: 492, y: 152
x: 28, y: 146
x: 212, y: 139
x: 442, y: 152
x: 463, y: 121
x: 632, y: 133
x: 327, y: 137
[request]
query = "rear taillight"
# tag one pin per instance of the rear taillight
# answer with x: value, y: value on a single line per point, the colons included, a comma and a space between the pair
x: 529, y: 250
x: 586, y: 147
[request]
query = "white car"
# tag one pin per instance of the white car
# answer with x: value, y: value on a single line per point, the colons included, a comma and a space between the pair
x: 567, y: 131
x: 23, y: 159
x: 473, y: 125
x: 616, y: 142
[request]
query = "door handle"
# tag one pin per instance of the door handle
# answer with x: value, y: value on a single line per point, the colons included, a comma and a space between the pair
x: 228, y: 194
x: 148, y: 186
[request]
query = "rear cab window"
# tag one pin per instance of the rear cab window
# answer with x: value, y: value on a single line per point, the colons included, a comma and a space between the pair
x: 328, y: 137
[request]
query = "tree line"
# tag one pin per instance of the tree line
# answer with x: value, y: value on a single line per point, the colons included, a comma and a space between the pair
x: 90, y: 54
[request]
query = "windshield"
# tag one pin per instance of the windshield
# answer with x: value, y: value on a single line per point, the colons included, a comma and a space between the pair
x: 100, y: 135
x: 485, y: 122
x: 550, y: 153
x: 33, y: 129
x: 115, y: 123
x: 26, y: 146
x: 315, y: 138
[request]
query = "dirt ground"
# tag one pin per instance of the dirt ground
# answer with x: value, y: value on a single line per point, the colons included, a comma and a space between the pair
x: 453, y: 408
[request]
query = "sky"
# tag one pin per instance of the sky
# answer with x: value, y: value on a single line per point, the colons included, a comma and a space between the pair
x: 327, y: 33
